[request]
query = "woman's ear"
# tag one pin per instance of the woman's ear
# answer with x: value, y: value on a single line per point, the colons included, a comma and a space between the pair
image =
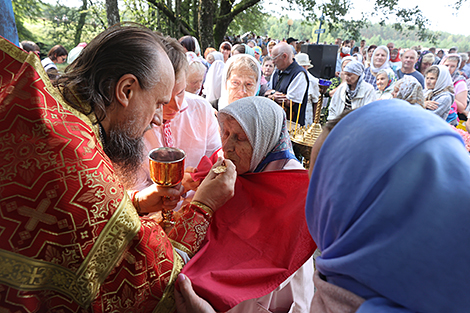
x: 126, y: 88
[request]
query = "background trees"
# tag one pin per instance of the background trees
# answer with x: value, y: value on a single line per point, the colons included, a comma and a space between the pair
x: 209, y: 20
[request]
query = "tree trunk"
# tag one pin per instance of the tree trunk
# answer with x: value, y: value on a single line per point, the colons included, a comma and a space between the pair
x: 178, y: 19
x: 220, y: 30
x: 112, y: 12
x: 169, y: 24
x: 206, y: 22
x: 81, y: 23
x: 195, y: 12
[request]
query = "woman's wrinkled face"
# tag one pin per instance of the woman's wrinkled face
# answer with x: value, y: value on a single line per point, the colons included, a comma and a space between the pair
x: 451, y: 65
x: 235, y: 143
x: 350, y: 78
x: 431, y: 79
x: 379, y: 58
x: 240, y: 84
x: 395, y: 91
x: 343, y: 65
x: 382, y: 81
x: 194, y: 82
x: 171, y: 109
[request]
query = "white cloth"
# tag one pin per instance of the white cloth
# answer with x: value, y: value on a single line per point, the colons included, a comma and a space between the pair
x: 261, y: 119
x: 313, y: 95
x: 365, y: 95
x: 194, y: 130
x: 48, y: 64
x: 384, y: 95
x: 223, y: 101
x: 294, y: 295
x: 217, y: 56
x: 213, y: 84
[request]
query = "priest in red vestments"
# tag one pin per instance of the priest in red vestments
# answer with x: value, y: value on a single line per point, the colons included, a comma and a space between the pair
x: 71, y: 239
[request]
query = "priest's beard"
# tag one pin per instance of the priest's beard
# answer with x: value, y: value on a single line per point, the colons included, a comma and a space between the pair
x: 125, y: 151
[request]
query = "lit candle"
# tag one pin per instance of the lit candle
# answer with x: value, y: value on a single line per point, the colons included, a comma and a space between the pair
x: 298, y: 114
x: 290, y: 116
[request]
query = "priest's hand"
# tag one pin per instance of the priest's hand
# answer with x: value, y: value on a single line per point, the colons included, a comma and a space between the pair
x: 218, y: 187
x: 156, y: 198
x: 187, y: 301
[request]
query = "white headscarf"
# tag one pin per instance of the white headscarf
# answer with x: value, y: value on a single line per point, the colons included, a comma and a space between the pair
x: 197, y: 49
x: 443, y: 78
x: 385, y: 65
x: 223, y: 101
x: 261, y: 119
x: 213, y: 83
x: 217, y: 55
x: 444, y: 81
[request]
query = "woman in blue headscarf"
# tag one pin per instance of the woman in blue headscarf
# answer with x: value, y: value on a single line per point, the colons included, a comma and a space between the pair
x: 392, y: 220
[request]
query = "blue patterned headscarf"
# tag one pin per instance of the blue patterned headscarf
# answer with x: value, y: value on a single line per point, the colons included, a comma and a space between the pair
x: 264, y: 123
x: 388, y: 206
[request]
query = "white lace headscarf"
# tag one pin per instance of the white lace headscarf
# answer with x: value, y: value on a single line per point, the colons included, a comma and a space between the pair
x: 262, y: 121
x: 213, y: 83
x: 231, y: 62
x: 410, y: 90
x: 385, y: 65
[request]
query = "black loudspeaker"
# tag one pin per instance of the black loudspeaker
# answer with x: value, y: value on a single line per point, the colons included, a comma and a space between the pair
x: 323, y: 59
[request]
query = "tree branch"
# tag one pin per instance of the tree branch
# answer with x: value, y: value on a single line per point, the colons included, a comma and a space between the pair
x: 237, y: 9
x: 185, y: 28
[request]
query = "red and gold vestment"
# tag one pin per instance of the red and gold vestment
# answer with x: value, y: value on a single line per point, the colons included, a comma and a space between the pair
x: 70, y: 238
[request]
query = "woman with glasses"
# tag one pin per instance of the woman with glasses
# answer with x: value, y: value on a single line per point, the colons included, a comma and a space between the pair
x: 57, y: 55
x: 241, y: 78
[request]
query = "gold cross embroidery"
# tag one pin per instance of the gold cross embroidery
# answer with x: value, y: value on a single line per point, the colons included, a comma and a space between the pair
x: 37, y: 215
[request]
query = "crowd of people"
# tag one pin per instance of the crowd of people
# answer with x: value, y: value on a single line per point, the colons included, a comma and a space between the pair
x: 377, y: 223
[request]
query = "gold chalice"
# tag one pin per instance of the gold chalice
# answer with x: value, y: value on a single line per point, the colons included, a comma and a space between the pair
x: 167, y: 170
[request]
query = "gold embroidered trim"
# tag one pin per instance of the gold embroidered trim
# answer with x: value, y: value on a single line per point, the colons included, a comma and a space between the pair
x: 167, y: 303
x: 28, y: 274
x: 12, y: 50
x: 181, y: 247
x: 25, y: 273
x: 35, y: 62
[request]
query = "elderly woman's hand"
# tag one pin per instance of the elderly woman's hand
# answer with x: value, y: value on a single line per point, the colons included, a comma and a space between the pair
x: 187, y: 301
x: 431, y: 105
x: 156, y: 198
x: 216, y: 189
x: 188, y: 182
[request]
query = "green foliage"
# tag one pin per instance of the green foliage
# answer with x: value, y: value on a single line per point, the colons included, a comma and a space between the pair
x: 377, y: 34
x: 56, y: 24
x: 250, y: 20
x: 26, y: 10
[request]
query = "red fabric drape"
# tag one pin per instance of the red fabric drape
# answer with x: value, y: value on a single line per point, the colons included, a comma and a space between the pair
x: 256, y: 240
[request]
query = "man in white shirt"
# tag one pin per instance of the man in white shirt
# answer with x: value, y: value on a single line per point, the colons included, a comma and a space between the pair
x: 289, y: 83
